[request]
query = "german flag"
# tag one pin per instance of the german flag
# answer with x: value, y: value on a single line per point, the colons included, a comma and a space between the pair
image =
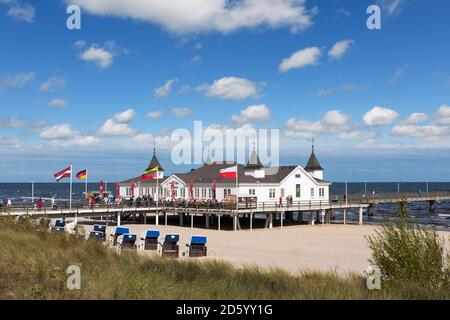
x: 150, y: 174
x: 82, y: 175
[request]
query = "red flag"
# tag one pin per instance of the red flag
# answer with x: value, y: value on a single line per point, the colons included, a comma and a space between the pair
x: 101, y: 188
x: 117, y: 189
x: 229, y: 173
x: 172, y: 188
x: 132, y: 188
x: 65, y: 173
x: 191, y: 190
x: 214, y: 189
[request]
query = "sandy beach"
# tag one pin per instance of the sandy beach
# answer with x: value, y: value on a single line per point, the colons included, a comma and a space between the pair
x: 341, y: 248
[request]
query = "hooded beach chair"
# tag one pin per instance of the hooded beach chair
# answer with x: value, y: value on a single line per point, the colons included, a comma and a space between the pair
x: 149, y: 240
x: 100, y: 228
x: 118, y: 231
x: 197, y: 247
x: 58, y: 226
x: 126, y: 241
x: 170, y: 246
x: 97, y: 235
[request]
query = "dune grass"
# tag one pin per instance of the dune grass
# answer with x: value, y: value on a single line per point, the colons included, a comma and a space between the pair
x: 33, y: 265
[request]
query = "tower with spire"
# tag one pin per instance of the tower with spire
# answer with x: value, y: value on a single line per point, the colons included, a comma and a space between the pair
x: 154, y: 162
x: 254, y: 166
x: 313, y: 166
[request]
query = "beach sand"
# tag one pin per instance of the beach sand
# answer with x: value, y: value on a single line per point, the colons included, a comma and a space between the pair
x: 340, y: 248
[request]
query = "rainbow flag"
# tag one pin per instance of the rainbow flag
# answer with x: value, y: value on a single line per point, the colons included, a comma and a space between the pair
x: 82, y: 175
x: 150, y: 174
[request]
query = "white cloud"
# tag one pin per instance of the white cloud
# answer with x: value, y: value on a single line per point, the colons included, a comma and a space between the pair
x: 197, y: 59
x: 232, y: 88
x: 60, y: 131
x: 112, y: 128
x: 339, y: 49
x: 443, y: 115
x: 184, y: 17
x: 406, y: 130
x: 416, y: 117
x: 181, y: 112
x: 300, y: 59
x: 323, y: 92
x: 118, y: 124
x: 358, y: 135
x: 125, y: 116
x: 18, y: 80
x: 52, y: 84
x: 154, y: 115
x: 14, y: 123
x: 379, y: 116
x: 253, y: 113
x: 24, y: 12
x: 58, y: 103
x: 102, y: 56
x: 398, y: 73
x: 392, y: 7
x: 165, y: 89
x: 333, y: 121
x: 184, y: 88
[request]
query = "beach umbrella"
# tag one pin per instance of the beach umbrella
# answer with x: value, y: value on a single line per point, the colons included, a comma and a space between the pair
x: 117, y: 189
x: 132, y: 188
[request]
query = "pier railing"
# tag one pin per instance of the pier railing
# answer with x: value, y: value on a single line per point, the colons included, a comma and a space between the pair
x: 209, y: 206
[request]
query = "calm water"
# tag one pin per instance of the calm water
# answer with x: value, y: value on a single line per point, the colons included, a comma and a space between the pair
x: 418, y: 210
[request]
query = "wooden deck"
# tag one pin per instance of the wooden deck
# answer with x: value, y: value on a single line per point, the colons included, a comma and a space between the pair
x: 269, y: 209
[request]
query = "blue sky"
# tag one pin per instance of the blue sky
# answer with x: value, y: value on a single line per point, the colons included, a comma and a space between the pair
x: 377, y: 102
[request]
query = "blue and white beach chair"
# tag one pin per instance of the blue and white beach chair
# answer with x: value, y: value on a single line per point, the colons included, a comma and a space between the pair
x: 118, y: 231
x: 58, y: 226
x: 197, y: 247
x: 126, y: 241
x: 170, y: 246
x: 97, y: 235
x: 102, y: 229
x: 149, y: 240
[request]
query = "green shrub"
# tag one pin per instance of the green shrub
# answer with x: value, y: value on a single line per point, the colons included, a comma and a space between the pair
x: 410, y: 254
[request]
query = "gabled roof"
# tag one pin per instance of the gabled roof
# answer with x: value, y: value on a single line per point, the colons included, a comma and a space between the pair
x: 208, y: 173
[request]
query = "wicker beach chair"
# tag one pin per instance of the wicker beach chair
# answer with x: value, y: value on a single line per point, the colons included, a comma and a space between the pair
x: 58, y: 226
x: 170, y: 246
x: 97, y: 235
x: 126, y: 241
x: 118, y: 231
x: 197, y: 247
x: 149, y: 240
x: 102, y: 229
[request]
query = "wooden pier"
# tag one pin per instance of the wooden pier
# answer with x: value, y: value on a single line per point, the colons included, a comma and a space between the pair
x: 316, y: 211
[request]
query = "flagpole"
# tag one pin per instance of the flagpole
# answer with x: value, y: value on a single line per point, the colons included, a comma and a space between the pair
x: 237, y: 187
x: 70, y: 196
x: 86, y: 185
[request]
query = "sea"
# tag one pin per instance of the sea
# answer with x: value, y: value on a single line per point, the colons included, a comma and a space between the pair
x: 20, y: 193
